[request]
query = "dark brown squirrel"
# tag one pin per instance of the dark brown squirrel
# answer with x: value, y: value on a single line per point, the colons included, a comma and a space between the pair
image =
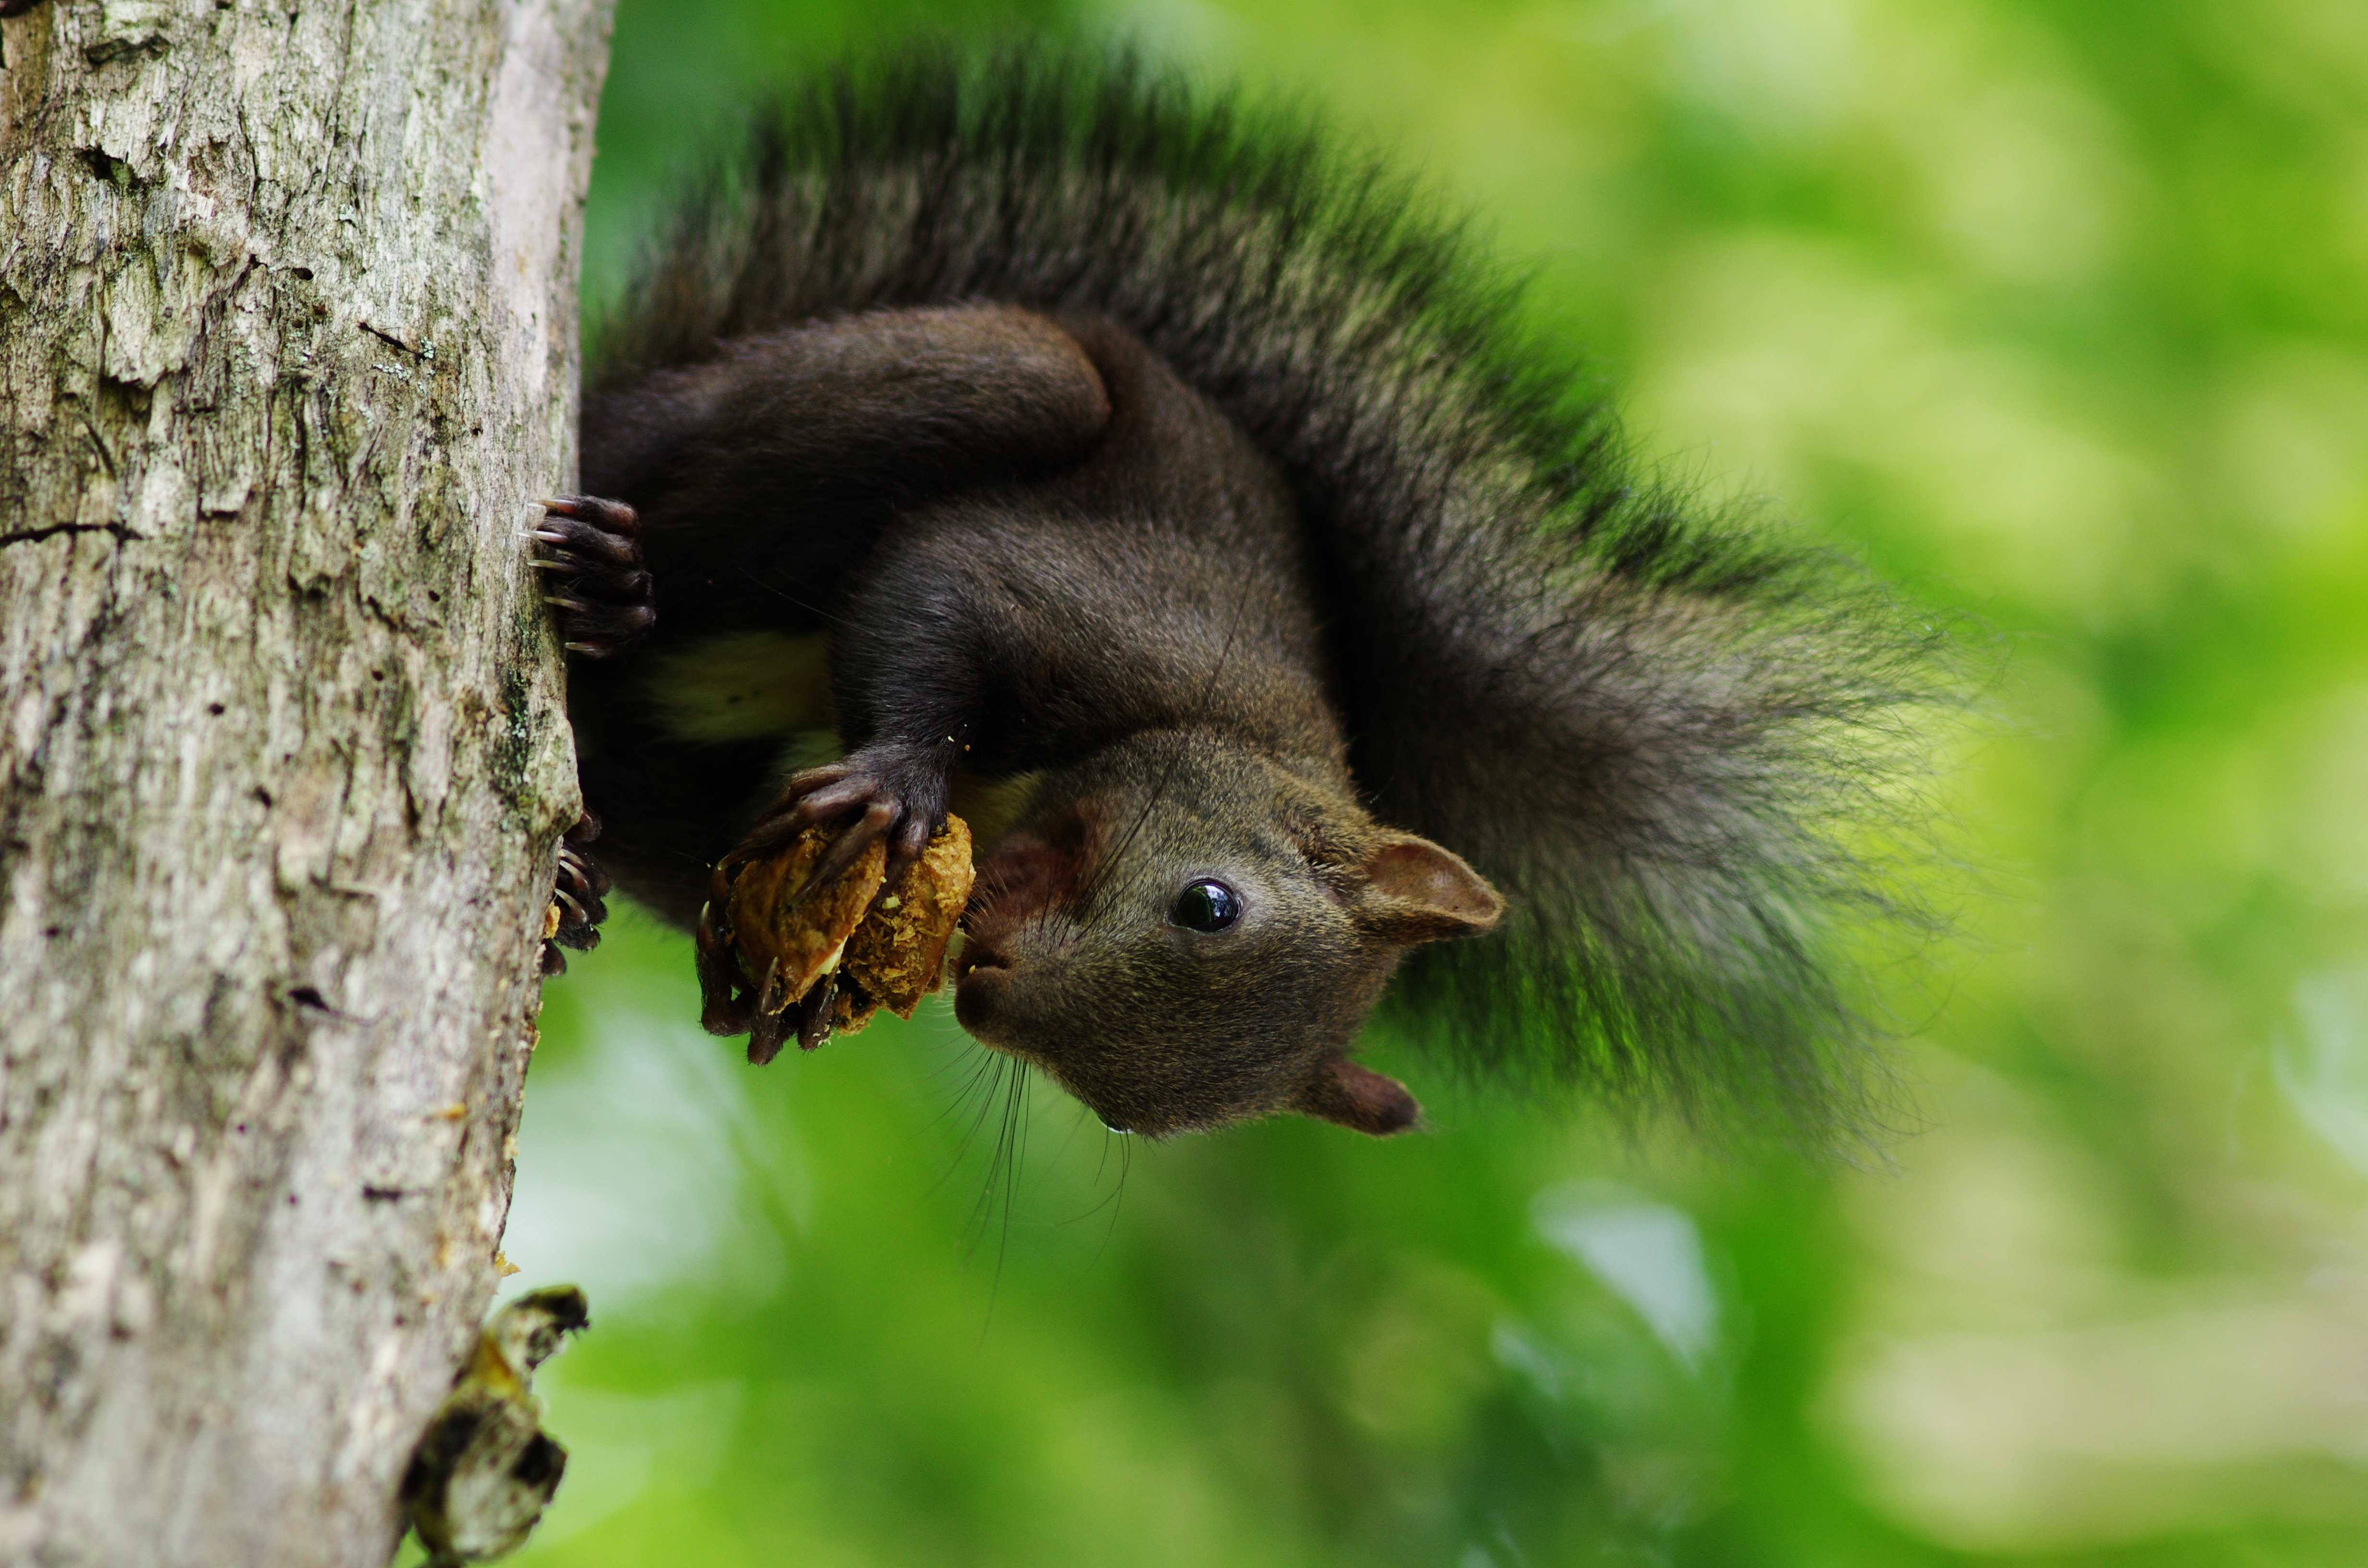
x: 1029, y: 422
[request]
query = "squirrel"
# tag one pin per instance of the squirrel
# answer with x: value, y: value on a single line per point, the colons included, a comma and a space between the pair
x: 1183, y: 494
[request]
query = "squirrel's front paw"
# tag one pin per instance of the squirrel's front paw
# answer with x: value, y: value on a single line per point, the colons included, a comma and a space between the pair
x: 576, y: 912
x: 590, y: 553
x: 891, y: 790
x: 888, y: 790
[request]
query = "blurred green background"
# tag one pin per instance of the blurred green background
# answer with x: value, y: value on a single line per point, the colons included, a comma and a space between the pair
x: 2052, y: 311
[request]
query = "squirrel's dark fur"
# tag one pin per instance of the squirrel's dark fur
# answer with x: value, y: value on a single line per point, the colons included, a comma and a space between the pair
x: 1656, y: 734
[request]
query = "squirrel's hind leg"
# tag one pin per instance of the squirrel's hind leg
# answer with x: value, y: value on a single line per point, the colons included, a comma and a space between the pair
x: 591, y: 554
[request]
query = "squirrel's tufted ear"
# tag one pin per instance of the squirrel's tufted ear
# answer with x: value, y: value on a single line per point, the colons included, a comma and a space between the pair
x: 1417, y: 892
x: 1357, y: 1098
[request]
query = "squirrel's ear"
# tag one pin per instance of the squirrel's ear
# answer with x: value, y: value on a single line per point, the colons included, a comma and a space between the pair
x: 1417, y: 892
x: 1357, y: 1098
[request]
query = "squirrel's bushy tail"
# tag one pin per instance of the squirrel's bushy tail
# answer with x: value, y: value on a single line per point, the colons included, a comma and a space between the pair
x: 1667, y: 738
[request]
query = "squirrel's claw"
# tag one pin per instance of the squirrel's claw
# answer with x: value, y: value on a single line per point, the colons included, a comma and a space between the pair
x: 889, y: 789
x: 852, y: 840
x: 577, y: 887
x: 723, y: 1004
x: 589, y: 553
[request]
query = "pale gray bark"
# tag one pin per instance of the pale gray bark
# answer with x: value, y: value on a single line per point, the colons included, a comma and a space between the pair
x: 287, y: 351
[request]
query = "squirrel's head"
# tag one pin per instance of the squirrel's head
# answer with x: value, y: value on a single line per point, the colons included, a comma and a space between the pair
x: 1184, y: 933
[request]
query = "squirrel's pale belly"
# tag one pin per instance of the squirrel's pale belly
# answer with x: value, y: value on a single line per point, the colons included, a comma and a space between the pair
x: 742, y: 686
x: 745, y: 686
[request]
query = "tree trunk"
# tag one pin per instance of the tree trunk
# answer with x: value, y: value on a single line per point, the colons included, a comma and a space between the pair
x: 287, y: 351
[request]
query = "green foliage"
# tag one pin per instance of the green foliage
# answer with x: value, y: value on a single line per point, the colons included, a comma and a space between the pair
x: 2054, y: 313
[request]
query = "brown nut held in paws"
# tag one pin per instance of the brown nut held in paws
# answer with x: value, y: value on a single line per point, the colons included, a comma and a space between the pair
x: 787, y: 943
x: 842, y: 951
x: 898, y: 954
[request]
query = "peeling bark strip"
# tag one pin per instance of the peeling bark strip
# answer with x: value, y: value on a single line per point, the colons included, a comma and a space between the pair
x: 287, y: 348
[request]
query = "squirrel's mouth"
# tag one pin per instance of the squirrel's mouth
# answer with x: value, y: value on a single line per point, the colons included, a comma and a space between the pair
x: 979, y: 973
x: 983, y: 999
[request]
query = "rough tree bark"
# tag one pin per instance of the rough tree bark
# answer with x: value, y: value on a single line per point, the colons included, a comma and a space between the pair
x: 286, y: 349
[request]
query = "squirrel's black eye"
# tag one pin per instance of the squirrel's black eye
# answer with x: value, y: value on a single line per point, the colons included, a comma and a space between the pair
x: 1206, y: 906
